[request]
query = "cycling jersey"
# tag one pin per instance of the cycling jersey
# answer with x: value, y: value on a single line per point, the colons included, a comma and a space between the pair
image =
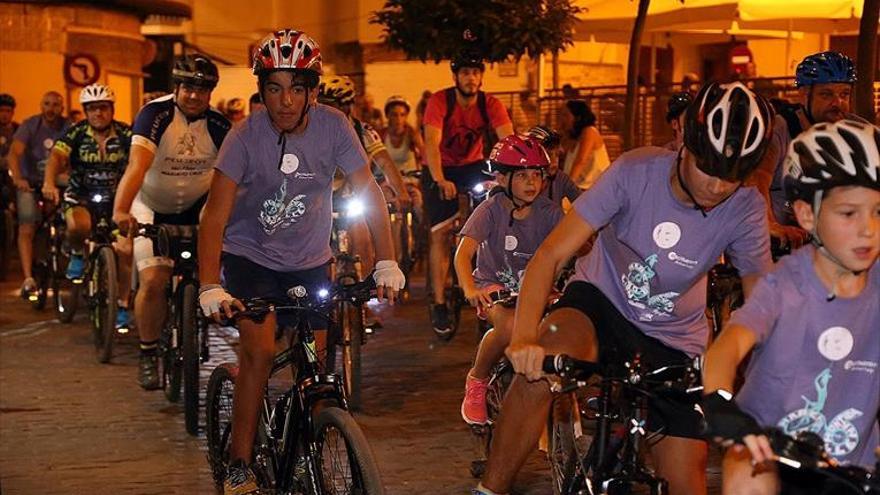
x: 369, y: 138
x: 507, y: 246
x: 93, y: 169
x: 185, y: 150
x: 817, y: 359
x: 653, y: 252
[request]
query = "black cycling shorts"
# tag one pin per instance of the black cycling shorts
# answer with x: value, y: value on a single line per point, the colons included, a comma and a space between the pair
x: 245, y: 279
x: 619, y: 340
x: 465, y: 177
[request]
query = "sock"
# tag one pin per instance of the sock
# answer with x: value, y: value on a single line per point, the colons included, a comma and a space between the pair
x: 149, y: 348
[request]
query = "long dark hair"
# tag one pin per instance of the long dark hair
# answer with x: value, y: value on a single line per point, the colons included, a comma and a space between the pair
x: 583, y: 116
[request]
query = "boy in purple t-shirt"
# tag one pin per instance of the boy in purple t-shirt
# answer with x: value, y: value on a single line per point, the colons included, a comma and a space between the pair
x: 504, y: 232
x: 814, y: 322
x: 663, y: 220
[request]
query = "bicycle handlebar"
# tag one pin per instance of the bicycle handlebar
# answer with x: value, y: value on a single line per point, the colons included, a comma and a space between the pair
x: 645, y: 381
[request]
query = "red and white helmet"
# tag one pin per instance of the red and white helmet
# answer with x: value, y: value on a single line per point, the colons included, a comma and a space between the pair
x: 96, y: 92
x: 288, y: 49
x: 518, y: 152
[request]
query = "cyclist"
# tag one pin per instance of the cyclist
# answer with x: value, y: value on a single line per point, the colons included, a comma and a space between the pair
x: 458, y: 123
x: 825, y: 83
x: 812, y: 322
x: 558, y: 184
x: 7, y: 130
x: 339, y: 92
x: 405, y: 146
x: 269, y: 212
x: 30, y: 148
x: 503, y: 231
x: 173, y: 149
x: 663, y: 220
x: 95, y: 151
x: 675, y: 109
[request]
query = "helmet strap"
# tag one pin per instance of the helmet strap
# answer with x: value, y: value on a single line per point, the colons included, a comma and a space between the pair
x: 808, y: 111
x: 517, y: 204
x: 816, y: 241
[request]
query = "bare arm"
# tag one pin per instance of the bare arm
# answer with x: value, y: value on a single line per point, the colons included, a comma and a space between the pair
x: 56, y: 164
x: 383, y: 159
x: 589, y: 141
x: 724, y: 355
x: 14, y: 158
x: 376, y: 215
x: 504, y: 130
x: 433, y: 136
x: 464, y: 256
x: 418, y: 143
x: 139, y: 163
x: 215, y: 215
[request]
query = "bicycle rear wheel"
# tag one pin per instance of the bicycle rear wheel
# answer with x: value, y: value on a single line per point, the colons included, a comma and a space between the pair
x: 104, y: 313
x: 189, y: 336
x: 218, y: 419
x: 345, y: 462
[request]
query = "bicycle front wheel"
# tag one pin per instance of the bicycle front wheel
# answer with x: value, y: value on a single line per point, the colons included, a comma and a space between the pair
x: 351, y: 321
x: 104, y: 314
x: 189, y: 336
x: 218, y: 419
x: 561, y: 451
x: 345, y: 463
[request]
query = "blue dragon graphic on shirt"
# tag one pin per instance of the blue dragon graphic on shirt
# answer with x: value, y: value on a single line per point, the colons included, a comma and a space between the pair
x: 840, y: 435
x: 280, y: 212
x: 637, y: 284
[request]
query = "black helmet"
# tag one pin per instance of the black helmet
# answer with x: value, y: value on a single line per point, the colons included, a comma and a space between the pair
x: 677, y: 104
x: 827, y: 155
x: 196, y: 70
x: 467, y: 59
x: 6, y: 100
x: 728, y: 129
x: 548, y: 137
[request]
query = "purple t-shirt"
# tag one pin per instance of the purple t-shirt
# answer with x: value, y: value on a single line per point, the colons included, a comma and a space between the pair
x: 282, y: 215
x: 653, y: 252
x: 506, y: 249
x: 38, y: 139
x: 817, y: 359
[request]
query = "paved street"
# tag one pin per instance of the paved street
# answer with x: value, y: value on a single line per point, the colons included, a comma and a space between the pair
x: 69, y: 425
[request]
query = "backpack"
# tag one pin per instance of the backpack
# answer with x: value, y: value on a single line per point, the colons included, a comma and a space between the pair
x: 489, y: 136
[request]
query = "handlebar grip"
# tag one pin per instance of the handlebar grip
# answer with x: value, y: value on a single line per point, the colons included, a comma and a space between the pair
x: 554, y: 364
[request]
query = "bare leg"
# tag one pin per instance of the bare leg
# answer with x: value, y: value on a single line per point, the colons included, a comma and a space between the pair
x: 491, y: 348
x: 255, y: 364
x: 149, y: 305
x: 681, y: 462
x: 739, y: 477
x: 438, y: 262
x: 26, y: 234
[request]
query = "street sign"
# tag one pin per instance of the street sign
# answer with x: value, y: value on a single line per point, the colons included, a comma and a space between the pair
x: 81, y: 69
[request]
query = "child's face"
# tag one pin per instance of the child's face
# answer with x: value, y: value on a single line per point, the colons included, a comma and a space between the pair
x: 525, y: 184
x: 848, y: 224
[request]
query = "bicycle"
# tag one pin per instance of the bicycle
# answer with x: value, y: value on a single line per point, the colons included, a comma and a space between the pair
x: 724, y: 294
x: 454, y: 294
x: 49, y: 257
x: 297, y: 429
x: 614, y: 462
x: 805, y: 453
x: 183, y: 344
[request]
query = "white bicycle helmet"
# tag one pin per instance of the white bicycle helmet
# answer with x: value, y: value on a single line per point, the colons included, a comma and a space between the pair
x: 95, y: 93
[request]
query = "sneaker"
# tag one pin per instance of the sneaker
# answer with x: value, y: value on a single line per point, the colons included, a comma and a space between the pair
x: 148, y: 371
x: 240, y: 480
x: 75, y: 267
x: 123, y: 318
x: 473, y: 407
x: 440, y: 318
x: 28, y: 287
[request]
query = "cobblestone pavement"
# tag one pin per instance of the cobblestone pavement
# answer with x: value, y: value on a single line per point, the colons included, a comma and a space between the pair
x: 69, y: 425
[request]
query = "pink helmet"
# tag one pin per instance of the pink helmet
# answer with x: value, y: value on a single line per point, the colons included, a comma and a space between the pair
x: 518, y: 152
x: 289, y: 49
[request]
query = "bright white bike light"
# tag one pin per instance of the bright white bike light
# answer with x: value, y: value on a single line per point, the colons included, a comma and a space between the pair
x: 354, y: 208
x: 97, y: 198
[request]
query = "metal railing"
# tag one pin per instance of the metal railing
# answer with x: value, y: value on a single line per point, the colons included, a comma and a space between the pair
x: 608, y: 103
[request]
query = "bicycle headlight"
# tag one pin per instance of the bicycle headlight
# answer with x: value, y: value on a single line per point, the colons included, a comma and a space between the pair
x: 97, y: 198
x: 185, y: 255
x: 323, y: 293
x: 479, y: 188
x: 354, y: 208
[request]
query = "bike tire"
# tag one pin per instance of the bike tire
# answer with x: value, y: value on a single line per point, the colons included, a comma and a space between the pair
x: 561, y: 451
x: 189, y: 336
x: 41, y: 276
x: 107, y: 300
x: 169, y: 348
x: 218, y: 419
x: 352, y: 326
x: 331, y: 425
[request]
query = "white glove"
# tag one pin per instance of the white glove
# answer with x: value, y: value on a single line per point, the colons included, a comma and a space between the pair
x: 211, y: 299
x: 388, y: 275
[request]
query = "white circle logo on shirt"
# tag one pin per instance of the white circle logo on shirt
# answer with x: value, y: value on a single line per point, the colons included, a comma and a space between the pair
x: 48, y: 142
x: 667, y: 234
x: 835, y: 343
x: 289, y: 163
x: 510, y: 242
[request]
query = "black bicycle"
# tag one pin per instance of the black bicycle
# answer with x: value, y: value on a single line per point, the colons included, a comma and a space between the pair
x: 613, y: 462
x: 49, y: 254
x: 306, y: 442
x: 183, y: 345
x: 805, y: 454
